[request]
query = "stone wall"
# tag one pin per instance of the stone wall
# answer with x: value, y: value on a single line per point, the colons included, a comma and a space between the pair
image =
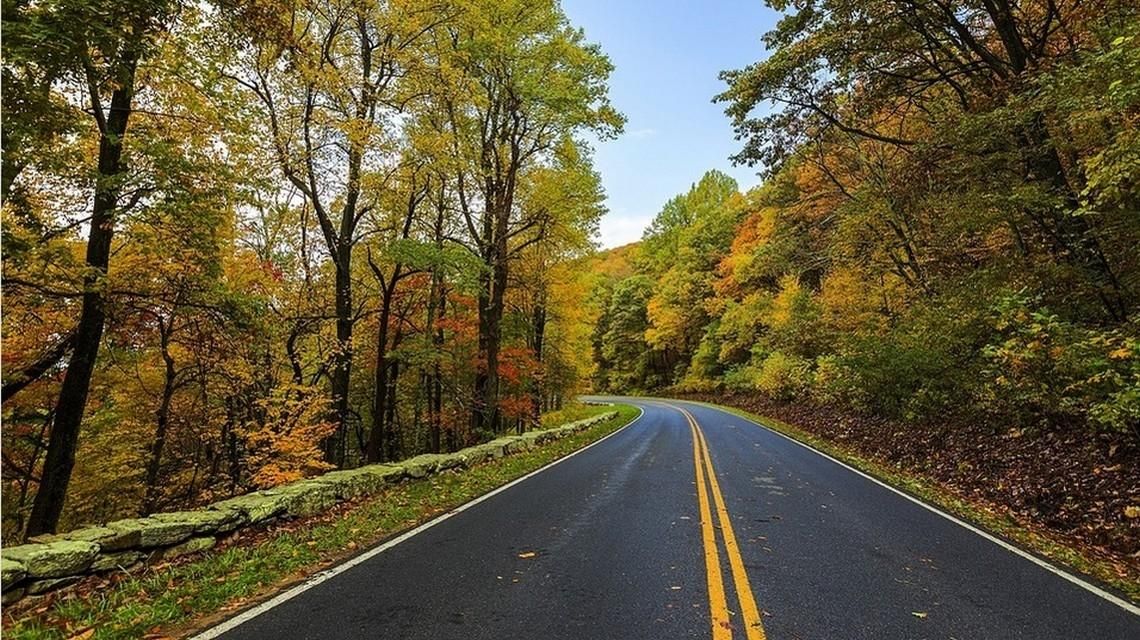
x: 55, y: 561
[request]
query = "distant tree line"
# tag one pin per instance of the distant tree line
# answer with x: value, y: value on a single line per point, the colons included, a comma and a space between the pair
x: 948, y: 227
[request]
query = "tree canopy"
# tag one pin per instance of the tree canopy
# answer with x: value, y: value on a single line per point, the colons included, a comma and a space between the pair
x: 246, y: 241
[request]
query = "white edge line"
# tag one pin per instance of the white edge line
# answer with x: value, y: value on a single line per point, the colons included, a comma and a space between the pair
x: 318, y: 578
x: 1087, y: 586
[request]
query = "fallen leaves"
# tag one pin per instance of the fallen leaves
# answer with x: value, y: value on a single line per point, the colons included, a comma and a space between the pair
x: 526, y: 555
x: 919, y: 614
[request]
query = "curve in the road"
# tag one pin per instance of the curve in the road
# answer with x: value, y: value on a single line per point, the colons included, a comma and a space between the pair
x: 687, y: 522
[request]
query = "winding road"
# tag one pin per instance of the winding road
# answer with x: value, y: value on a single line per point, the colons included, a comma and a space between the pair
x: 692, y: 522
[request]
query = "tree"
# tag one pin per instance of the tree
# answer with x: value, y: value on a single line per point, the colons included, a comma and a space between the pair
x: 329, y: 92
x: 98, y: 46
x: 409, y: 196
x: 566, y: 195
x: 935, y: 80
x: 517, y: 80
x: 682, y: 248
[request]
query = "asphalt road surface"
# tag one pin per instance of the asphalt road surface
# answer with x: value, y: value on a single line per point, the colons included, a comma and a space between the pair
x: 635, y: 538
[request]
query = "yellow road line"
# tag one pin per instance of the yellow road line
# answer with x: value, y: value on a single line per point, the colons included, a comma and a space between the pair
x: 718, y: 605
x: 753, y: 627
x: 721, y: 625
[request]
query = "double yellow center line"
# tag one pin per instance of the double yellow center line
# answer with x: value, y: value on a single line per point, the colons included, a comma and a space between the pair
x: 718, y: 601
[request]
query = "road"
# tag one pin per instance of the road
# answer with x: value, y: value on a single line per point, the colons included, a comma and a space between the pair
x: 634, y: 538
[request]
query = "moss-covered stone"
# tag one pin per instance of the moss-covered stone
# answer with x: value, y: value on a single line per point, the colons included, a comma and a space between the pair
x: 451, y: 461
x: 255, y: 507
x: 514, y: 444
x: 423, y: 465
x: 13, y: 595
x: 107, y: 538
x: 348, y: 484
x: 474, y: 455
x: 11, y: 572
x: 389, y: 473
x: 116, y: 561
x: 496, y: 448
x: 53, y: 559
x: 307, y: 497
x: 193, y: 545
x: 205, y: 520
x: 363, y: 481
x: 50, y: 584
x: 152, y: 532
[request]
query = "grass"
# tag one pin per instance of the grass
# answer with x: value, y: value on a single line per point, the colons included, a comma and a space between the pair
x: 164, y: 599
x: 1120, y: 578
x: 571, y: 412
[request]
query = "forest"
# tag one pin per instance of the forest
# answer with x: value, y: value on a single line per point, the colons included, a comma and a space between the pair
x: 944, y: 244
x: 248, y: 241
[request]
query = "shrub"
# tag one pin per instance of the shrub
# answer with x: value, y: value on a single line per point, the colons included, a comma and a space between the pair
x: 783, y: 377
x: 1046, y: 370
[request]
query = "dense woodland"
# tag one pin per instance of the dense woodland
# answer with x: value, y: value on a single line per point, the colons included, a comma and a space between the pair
x: 947, y: 230
x: 251, y: 240
x: 246, y: 241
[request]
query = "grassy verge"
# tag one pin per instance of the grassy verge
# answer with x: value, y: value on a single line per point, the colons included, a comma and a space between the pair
x: 988, y: 517
x: 163, y: 600
x: 572, y: 412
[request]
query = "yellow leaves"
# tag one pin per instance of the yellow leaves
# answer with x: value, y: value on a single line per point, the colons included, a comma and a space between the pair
x: 783, y: 303
x: 526, y: 555
x: 1120, y: 353
x: 1132, y: 511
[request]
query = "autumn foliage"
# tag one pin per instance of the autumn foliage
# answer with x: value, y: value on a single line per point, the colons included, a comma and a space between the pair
x: 248, y: 242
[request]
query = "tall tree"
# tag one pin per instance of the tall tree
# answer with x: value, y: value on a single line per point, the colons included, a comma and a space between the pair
x: 99, y: 47
x: 330, y: 76
x: 517, y: 79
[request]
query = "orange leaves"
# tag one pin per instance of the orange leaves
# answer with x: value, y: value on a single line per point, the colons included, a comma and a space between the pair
x: 517, y: 364
x: 517, y: 406
x: 286, y: 444
x: 518, y: 372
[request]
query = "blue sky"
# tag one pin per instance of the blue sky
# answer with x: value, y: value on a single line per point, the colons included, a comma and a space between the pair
x: 667, y: 56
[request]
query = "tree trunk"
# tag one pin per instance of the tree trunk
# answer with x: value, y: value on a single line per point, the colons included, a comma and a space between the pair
x: 72, y: 402
x: 480, y: 415
x: 378, y: 437
x: 342, y: 363
x: 491, y: 303
x: 437, y: 374
x: 393, y: 444
x: 492, y: 422
x: 432, y: 386
x: 162, y: 421
x: 538, y: 331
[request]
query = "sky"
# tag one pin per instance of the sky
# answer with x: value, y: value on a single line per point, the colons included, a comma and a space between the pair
x: 667, y: 55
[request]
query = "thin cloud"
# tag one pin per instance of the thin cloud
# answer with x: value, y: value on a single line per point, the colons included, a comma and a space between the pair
x: 639, y: 134
x: 620, y: 227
